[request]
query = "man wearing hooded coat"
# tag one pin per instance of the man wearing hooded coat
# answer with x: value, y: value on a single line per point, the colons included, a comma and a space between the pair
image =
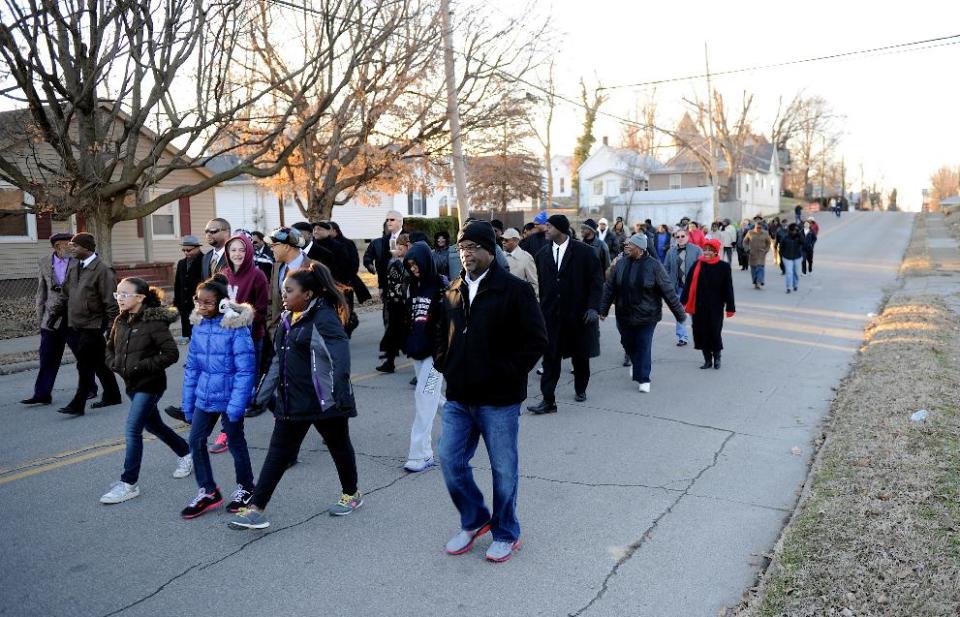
x: 570, y: 300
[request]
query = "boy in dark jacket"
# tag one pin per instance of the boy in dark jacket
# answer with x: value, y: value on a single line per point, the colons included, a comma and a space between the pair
x: 490, y: 336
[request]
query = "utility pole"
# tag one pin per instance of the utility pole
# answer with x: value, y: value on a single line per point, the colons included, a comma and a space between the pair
x: 453, y: 115
x: 713, y: 156
x: 843, y: 180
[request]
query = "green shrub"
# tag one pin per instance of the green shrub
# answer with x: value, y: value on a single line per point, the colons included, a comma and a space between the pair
x: 430, y: 226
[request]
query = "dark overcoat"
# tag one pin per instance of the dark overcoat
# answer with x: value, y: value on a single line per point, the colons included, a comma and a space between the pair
x: 565, y: 297
x: 714, y: 296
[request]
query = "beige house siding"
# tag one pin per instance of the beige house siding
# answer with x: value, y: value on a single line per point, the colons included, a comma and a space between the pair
x: 18, y: 260
x: 660, y: 181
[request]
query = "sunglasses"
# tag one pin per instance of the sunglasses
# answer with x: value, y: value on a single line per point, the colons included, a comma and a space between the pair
x: 391, y: 220
x: 122, y: 295
x: 213, y: 231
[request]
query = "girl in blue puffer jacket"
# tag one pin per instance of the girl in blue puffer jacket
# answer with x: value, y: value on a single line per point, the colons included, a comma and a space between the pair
x: 218, y: 378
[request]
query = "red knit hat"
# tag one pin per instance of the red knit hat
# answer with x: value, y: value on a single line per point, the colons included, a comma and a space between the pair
x: 715, y: 244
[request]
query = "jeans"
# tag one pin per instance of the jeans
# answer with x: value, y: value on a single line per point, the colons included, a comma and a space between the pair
x: 638, y: 341
x: 144, y: 414
x: 203, y: 423
x: 681, y: 329
x: 426, y: 400
x: 757, y: 273
x: 92, y: 350
x: 462, y: 427
x: 792, y: 267
x: 285, y: 444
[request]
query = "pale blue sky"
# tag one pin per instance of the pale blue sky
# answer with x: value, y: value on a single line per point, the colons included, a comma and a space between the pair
x: 901, y: 109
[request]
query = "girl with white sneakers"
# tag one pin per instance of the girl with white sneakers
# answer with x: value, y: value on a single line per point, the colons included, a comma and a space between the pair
x: 140, y: 349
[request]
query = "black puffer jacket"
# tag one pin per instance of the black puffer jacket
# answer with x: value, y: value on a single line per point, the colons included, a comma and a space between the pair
x: 791, y: 246
x: 639, y: 288
x: 486, y: 348
x: 140, y: 348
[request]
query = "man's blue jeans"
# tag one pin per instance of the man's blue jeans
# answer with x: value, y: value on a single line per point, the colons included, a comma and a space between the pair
x: 680, y: 330
x: 462, y: 427
x: 638, y: 341
x: 792, y: 267
x: 200, y: 429
x: 145, y: 415
x: 757, y: 273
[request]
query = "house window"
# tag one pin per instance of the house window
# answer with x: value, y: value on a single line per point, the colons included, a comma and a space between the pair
x: 16, y: 224
x: 563, y: 184
x: 675, y: 181
x: 165, y: 222
x: 416, y: 204
x: 624, y: 186
x: 598, y: 187
x: 641, y: 184
x: 613, y: 188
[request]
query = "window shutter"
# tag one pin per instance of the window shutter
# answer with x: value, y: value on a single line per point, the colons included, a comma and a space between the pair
x: 81, y: 223
x: 184, y: 216
x: 140, y: 227
x: 44, y: 226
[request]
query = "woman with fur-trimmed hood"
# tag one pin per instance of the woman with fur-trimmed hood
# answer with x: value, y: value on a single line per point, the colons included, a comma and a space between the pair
x: 218, y: 379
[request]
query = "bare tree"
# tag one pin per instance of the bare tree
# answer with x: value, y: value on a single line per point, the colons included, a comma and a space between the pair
x: 591, y: 105
x: 543, y: 132
x: 812, y: 143
x: 641, y: 134
x: 389, y: 129
x: 502, y: 168
x: 121, y: 95
x: 945, y: 182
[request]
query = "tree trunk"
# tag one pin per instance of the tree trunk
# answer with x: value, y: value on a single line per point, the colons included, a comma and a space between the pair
x: 102, y: 229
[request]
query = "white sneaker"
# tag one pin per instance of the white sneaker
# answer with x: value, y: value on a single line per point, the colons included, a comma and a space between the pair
x: 184, y: 467
x: 645, y: 387
x: 120, y: 492
x: 420, y: 465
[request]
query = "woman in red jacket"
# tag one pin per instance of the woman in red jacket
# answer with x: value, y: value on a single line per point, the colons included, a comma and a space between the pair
x: 246, y: 284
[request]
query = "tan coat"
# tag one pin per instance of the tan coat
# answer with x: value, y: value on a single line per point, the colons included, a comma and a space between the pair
x: 49, y: 293
x: 757, y: 244
x: 523, y: 267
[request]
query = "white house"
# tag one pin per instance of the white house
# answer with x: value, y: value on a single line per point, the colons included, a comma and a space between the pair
x: 562, y: 168
x: 611, y: 172
x: 249, y: 205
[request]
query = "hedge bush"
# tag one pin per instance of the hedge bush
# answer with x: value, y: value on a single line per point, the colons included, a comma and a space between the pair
x: 430, y: 226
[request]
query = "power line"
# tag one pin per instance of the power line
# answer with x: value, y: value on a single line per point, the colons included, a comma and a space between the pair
x: 860, y: 52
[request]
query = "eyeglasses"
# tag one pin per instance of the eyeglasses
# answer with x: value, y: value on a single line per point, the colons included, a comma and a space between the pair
x: 391, y: 220
x: 197, y: 301
x: 678, y: 236
x: 213, y: 231
x: 466, y: 247
x: 122, y: 295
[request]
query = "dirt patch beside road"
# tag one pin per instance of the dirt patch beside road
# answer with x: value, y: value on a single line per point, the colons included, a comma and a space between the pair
x: 877, y: 531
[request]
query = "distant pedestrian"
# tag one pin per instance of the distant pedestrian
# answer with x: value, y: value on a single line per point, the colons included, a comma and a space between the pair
x: 378, y: 255
x: 836, y: 205
x: 571, y: 285
x: 680, y: 258
x: 798, y: 214
x: 728, y: 237
x: 353, y: 285
x: 791, y: 254
x: 491, y: 336
x: 90, y: 309
x: 423, y: 307
x: 603, y: 230
x: 140, y: 348
x: 638, y: 285
x: 310, y: 376
x: 54, y: 332
x: 616, y: 239
x: 814, y: 226
x: 537, y: 239
x: 218, y: 379
x: 394, y: 297
x: 661, y: 243
x: 521, y: 262
x: 262, y: 256
x: 441, y: 253
x: 589, y: 233
x: 757, y: 244
x: 185, y: 281
x: 695, y: 234
x: 809, y: 240
x: 217, y: 231
x: 743, y: 258
x: 707, y: 298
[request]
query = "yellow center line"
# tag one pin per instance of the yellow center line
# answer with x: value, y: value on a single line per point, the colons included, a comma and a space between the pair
x: 103, y: 448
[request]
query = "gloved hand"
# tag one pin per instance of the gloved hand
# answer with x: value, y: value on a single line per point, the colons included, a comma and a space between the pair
x: 730, y: 313
x: 591, y: 317
x: 371, y: 269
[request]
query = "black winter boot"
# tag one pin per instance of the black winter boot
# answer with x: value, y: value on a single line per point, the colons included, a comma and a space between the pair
x: 707, y: 359
x: 716, y: 359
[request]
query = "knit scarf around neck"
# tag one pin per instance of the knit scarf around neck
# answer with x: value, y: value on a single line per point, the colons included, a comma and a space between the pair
x: 691, y: 305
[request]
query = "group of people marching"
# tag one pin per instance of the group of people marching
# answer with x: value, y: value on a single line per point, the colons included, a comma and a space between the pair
x: 268, y: 318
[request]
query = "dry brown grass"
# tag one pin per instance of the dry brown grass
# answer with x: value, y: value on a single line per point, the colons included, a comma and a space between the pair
x: 18, y: 317
x: 877, y: 531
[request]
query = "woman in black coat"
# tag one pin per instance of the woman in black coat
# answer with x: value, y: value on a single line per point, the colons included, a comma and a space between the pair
x: 709, y: 291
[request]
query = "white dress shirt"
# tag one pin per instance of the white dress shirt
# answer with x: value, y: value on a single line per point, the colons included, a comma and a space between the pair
x: 562, y: 248
x: 473, y: 286
x: 86, y: 262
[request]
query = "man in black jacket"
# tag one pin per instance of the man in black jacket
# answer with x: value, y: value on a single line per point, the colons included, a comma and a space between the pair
x: 571, y: 284
x: 185, y: 281
x: 490, y: 335
x: 638, y: 285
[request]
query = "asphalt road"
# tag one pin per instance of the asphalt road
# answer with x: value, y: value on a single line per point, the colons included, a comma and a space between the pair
x: 653, y: 504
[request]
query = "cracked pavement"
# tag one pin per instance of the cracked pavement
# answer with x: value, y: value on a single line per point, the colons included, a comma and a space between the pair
x: 631, y: 504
